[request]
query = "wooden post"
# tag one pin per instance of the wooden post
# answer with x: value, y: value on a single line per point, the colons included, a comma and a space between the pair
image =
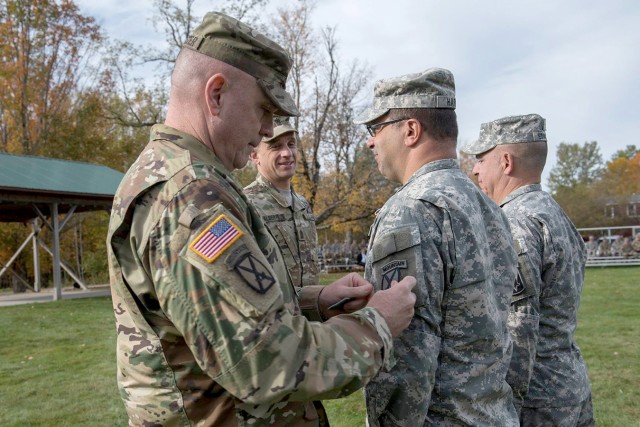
x: 57, y: 274
x: 36, y: 256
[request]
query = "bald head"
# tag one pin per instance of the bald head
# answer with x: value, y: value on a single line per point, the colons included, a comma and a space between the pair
x: 530, y: 158
x: 192, y: 71
x: 196, y: 80
x: 507, y: 167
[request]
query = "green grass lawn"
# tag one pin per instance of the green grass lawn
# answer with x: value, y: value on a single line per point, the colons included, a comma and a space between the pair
x: 57, y: 360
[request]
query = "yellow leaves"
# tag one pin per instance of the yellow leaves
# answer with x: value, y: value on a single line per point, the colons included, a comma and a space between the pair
x: 622, y: 176
x: 43, y: 46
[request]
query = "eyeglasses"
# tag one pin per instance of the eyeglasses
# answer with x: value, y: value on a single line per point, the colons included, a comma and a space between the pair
x: 372, y: 128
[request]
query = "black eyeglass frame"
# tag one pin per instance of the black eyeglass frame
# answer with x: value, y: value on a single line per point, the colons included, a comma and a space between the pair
x: 372, y: 128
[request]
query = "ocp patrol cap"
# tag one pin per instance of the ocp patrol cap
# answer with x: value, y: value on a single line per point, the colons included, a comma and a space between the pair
x: 508, y: 130
x: 281, y: 126
x: 233, y: 42
x: 432, y: 88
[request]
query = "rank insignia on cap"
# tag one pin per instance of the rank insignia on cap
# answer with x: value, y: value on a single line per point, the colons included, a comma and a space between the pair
x: 216, y: 238
x: 255, y: 273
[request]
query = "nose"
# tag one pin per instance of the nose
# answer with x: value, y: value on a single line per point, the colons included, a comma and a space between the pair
x: 370, y: 143
x: 475, y: 169
x: 266, y: 130
x: 286, y: 151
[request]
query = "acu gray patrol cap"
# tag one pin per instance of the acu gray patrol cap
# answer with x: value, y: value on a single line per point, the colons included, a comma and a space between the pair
x: 229, y: 40
x: 280, y: 127
x: 508, y: 130
x: 432, y: 88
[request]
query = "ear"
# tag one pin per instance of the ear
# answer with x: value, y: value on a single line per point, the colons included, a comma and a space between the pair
x: 507, y: 161
x: 254, y: 157
x: 413, y: 132
x: 214, y: 89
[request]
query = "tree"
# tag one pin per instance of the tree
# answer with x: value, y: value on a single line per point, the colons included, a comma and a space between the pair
x: 622, y: 176
x: 628, y: 153
x: 45, y: 46
x: 576, y: 165
x: 138, y: 102
x: 585, y: 202
x: 581, y: 204
x: 47, y: 93
x: 619, y: 182
x: 337, y: 174
x: 177, y: 23
x: 370, y: 191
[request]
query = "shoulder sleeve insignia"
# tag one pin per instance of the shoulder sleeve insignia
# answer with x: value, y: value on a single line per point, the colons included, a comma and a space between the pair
x: 391, y: 272
x: 255, y: 273
x: 216, y: 238
x: 518, y: 286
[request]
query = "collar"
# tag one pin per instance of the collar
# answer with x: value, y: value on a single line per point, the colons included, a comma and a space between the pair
x: 520, y: 191
x: 297, y: 203
x: 434, y: 166
x: 187, y: 142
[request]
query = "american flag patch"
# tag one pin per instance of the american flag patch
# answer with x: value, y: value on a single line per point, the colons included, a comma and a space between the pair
x: 217, y: 237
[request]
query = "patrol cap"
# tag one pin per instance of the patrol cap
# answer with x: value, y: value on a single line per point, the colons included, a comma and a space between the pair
x: 508, y: 130
x: 280, y: 127
x: 432, y: 88
x: 229, y: 40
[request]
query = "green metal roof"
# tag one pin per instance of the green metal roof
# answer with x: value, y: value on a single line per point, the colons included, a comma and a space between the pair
x: 59, y: 176
x: 30, y: 186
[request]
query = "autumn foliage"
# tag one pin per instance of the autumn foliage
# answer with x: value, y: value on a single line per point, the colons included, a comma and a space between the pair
x: 67, y: 91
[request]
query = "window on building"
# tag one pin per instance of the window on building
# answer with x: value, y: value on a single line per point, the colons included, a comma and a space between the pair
x: 610, y: 211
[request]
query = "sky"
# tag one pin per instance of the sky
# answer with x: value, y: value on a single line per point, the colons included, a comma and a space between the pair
x: 574, y: 62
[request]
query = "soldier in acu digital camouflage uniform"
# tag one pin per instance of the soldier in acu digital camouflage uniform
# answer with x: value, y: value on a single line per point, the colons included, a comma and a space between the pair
x: 547, y: 372
x: 286, y: 214
x: 439, y: 227
x: 209, y: 330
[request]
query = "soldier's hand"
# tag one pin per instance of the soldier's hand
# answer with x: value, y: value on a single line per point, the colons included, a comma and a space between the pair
x: 396, y: 304
x: 345, y: 295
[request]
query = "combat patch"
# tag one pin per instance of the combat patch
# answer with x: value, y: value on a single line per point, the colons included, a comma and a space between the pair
x: 391, y: 271
x: 525, y: 283
x: 394, y: 255
x: 216, y: 238
x: 255, y: 273
x: 518, y: 286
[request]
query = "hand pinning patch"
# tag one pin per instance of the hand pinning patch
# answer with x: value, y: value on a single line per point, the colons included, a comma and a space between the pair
x: 391, y: 272
x: 255, y: 273
x: 216, y: 238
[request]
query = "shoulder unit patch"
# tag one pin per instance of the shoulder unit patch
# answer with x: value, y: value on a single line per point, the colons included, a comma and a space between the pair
x: 255, y: 273
x: 518, y: 286
x: 216, y: 238
x: 391, y: 271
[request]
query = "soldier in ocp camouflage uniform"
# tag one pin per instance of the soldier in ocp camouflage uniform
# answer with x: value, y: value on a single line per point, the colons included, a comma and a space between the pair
x: 439, y: 227
x: 209, y: 330
x: 547, y: 373
x: 287, y: 214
